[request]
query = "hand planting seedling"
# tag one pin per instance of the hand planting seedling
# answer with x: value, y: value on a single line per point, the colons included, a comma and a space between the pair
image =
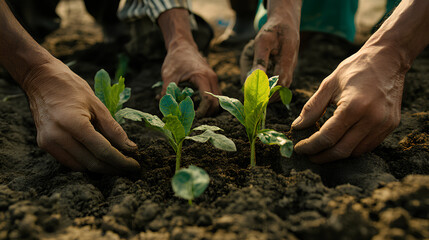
x: 112, y: 96
x: 189, y: 183
x: 177, y: 122
x: 258, y: 89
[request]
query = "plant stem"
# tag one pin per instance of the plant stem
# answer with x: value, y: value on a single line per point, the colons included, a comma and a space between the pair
x: 252, y: 153
x: 178, y: 155
x: 264, y: 116
x: 190, y: 202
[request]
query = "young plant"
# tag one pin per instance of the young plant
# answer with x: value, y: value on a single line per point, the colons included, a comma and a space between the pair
x: 258, y: 89
x: 176, y: 124
x: 189, y: 183
x: 112, y: 96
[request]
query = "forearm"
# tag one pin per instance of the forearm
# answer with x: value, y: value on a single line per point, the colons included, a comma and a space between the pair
x: 19, y: 53
x: 405, y: 33
x: 288, y: 10
x: 176, y: 28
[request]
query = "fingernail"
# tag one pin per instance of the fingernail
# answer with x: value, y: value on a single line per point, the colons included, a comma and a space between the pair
x: 131, y: 144
x: 297, y: 121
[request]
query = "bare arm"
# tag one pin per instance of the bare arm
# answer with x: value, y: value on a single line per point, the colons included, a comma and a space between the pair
x: 65, y: 109
x: 183, y: 61
x: 367, y: 88
x: 278, y: 40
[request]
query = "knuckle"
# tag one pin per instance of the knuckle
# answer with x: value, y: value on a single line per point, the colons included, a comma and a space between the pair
x: 46, y: 139
x: 43, y: 141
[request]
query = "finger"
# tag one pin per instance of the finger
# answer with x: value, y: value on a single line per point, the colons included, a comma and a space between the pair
x: 263, y: 48
x: 207, y: 103
x: 330, y: 133
x: 315, y: 107
x: 111, y: 129
x: 344, y: 147
x: 82, y: 155
x: 285, y: 77
x: 65, y: 158
x: 92, y: 140
x: 371, y: 141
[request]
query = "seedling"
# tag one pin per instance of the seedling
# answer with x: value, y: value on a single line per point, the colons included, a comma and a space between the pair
x: 190, y: 183
x: 112, y: 96
x: 258, y: 89
x: 176, y: 124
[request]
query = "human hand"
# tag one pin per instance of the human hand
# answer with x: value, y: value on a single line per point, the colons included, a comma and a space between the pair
x: 277, y: 43
x: 367, y: 89
x: 184, y: 63
x: 72, y: 123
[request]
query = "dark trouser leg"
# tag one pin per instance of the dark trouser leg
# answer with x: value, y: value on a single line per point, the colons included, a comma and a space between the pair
x: 104, y: 13
x: 243, y: 29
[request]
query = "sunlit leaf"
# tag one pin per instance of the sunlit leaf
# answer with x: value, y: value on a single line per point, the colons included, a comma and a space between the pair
x: 207, y: 127
x: 271, y: 137
x: 273, y: 81
x: 285, y: 95
x: 274, y: 90
x: 256, y: 96
x: 232, y: 105
x: 217, y: 140
x: 173, y: 124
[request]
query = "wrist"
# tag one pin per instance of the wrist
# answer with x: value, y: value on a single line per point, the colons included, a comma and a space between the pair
x: 176, y: 28
x: 404, y: 33
x: 286, y: 10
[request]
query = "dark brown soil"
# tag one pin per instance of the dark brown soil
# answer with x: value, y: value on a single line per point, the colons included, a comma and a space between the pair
x: 381, y: 195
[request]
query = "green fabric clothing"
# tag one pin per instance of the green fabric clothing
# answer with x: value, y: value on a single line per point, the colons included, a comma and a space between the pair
x: 329, y: 16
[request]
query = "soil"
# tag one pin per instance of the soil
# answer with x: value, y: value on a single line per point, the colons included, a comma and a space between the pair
x: 383, y: 194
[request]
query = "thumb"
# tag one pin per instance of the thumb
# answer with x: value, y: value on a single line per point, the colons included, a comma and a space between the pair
x: 315, y: 107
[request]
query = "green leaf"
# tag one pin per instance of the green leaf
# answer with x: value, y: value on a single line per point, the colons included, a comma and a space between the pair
x: 115, y: 93
x: 187, y: 114
x: 256, y: 96
x: 151, y: 121
x: 157, y: 84
x: 174, y: 91
x: 271, y: 137
x: 136, y: 115
x: 168, y: 105
x: 190, y: 183
x: 125, y: 95
x: 102, y: 86
x: 187, y: 92
x: 232, y: 105
x: 173, y: 124
x: 273, y: 81
x: 207, y: 127
x: 286, y: 149
x: 122, y: 66
x: 274, y: 90
x: 217, y: 140
x: 286, y: 96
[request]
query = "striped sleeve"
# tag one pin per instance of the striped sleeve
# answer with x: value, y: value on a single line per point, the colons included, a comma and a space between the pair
x: 134, y: 9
